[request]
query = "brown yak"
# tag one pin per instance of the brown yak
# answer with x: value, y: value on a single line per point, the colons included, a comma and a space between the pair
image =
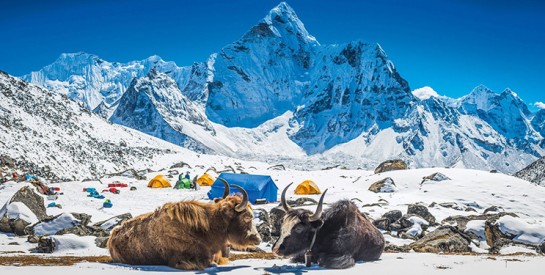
x: 186, y: 234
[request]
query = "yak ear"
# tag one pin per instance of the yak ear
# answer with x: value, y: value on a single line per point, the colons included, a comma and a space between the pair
x: 316, y: 223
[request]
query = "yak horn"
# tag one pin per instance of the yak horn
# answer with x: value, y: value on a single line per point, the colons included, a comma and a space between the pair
x: 227, y: 190
x: 287, y: 208
x: 318, y: 214
x: 242, y: 206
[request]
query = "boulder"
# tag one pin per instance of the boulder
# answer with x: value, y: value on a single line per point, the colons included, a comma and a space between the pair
x: 33, y: 201
x: 109, y: 224
x: 391, y: 248
x: 385, y: 185
x: 460, y: 221
x: 67, y: 223
x: 263, y: 225
x: 401, y: 225
x: 392, y: 216
x: 391, y: 165
x: 45, y: 245
x: 445, y: 239
x: 435, y: 177
x: 421, y: 211
x: 101, y: 242
x: 276, y: 215
x: 494, y: 208
x: 23, y: 209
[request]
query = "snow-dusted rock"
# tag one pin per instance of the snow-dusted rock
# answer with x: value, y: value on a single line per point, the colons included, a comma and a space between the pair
x: 385, y: 185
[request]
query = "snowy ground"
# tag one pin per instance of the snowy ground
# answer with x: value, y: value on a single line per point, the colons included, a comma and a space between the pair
x: 467, y: 188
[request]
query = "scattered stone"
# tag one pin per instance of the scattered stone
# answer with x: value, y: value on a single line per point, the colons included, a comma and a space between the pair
x: 391, y: 165
x: 421, y: 211
x: 129, y: 173
x: 445, y: 239
x: 391, y: 248
x: 386, y: 185
x: 393, y: 215
x: 435, y: 177
x: 13, y: 243
x: 278, y: 167
x: 101, y: 242
x: 460, y: 221
x: 45, y: 245
x: 401, y: 225
x: 180, y: 164
x: 276, y: 215
x: 109, y: 224
x: 493, y: 208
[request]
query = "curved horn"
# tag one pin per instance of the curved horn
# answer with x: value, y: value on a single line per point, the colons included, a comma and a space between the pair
x: 242, y: 206
x: 227, y: 189
x: 318, y: 214
x: 287, y: 208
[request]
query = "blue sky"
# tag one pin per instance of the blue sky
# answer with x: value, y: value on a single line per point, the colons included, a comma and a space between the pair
x: 450, y: 45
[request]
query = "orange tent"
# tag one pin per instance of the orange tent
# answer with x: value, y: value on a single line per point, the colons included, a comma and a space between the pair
x: 159, y: 182
x: 307, y: 187
x: 205, y: 180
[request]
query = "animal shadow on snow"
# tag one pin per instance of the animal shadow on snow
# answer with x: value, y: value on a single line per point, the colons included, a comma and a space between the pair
x: 299, y: 269
x: 213, y: 270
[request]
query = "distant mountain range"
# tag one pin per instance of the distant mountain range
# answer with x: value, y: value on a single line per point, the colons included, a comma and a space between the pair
x: 277, y: 94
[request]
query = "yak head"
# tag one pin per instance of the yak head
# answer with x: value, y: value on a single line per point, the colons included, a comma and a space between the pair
x: 298, y: 228
x: 241, y: 229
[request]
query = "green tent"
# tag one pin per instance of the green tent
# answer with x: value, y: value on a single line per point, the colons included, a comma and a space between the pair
x: 183, y: 184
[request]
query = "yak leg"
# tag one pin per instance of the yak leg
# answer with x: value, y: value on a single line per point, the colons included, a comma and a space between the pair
x: 336, y: 261
x: 219, y: 259
x: 190, y: 262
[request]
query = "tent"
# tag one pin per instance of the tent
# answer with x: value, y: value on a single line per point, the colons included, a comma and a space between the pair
x: 183, y: 184
x: 257, y: 186
x: 205, y: 180
x: 159, y: 182
x: 307, y: 187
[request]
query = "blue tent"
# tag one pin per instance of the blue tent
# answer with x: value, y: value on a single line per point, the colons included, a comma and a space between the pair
x: 257, y: 186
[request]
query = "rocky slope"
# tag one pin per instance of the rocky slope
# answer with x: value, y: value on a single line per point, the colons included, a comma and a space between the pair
x: 50, y: 133
x: 535, y: 172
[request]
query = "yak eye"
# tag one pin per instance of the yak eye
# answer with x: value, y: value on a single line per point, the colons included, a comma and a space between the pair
x: 299, y: 229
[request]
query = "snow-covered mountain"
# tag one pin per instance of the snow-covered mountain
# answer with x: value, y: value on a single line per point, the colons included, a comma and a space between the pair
x: 277, y: 94
x: 49, y: 130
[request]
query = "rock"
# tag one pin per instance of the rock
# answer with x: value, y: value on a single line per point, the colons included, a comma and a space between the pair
x: 391, y: 248
x: 392, y: 216
x: 421, y: 211
x: 101, y: 242
x: 109, y: 224
x: 263, y: 226
x: 542, y: 247
x: 14, y: 243
x: 493, y: 208
x: 445, y: 239
x: 278, y: 167
x: 391, y: 165
x: 460, y: 221
x: 302, y: 201
x: 386, y: 185
x: 180, y: 164
x: 276, y: 215
x: 26, y: 207
x: 45, y: 245
x: 129, y: 173
x: 435, y: 177
x: 383, y: 224
x: 401, y: 225
x: 33, y: 201
x: 67, y: 223
x: 7, y: 161
x: 495, y: 238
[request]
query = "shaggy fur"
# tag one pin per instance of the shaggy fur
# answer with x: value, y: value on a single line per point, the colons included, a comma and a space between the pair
x: 184, y: 235
x: 345, y: 236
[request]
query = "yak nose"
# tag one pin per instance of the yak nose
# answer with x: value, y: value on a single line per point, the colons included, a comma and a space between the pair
x: 275, y: 250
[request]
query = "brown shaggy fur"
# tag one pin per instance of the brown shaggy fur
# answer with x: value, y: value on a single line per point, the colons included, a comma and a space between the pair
x: 183, y: 235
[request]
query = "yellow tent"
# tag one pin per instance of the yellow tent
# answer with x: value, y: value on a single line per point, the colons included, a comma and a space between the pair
x: 307, y: 187
x: 159, y: 182
x: 205, y: 180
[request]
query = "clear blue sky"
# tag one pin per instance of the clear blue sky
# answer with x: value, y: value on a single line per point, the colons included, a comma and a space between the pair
x: 450, y: 45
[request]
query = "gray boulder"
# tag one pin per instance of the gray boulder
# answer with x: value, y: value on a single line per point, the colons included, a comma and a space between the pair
x: 385, y: 185
x: 109, y: 224
x: 421, y: 211
x: 30, y: 200
x: 445, y: 239
x: 391, y: 165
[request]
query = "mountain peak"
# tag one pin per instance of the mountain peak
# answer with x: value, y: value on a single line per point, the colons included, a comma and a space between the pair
x: 283, y: 21
x: 77, y: 57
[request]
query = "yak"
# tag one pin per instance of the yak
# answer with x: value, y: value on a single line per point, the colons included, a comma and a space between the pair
x: 336, y: 238
x: 186, y: 234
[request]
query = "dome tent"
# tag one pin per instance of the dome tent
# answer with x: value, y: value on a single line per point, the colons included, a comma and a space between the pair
x: 257, y: 186
x: 307, y: 187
